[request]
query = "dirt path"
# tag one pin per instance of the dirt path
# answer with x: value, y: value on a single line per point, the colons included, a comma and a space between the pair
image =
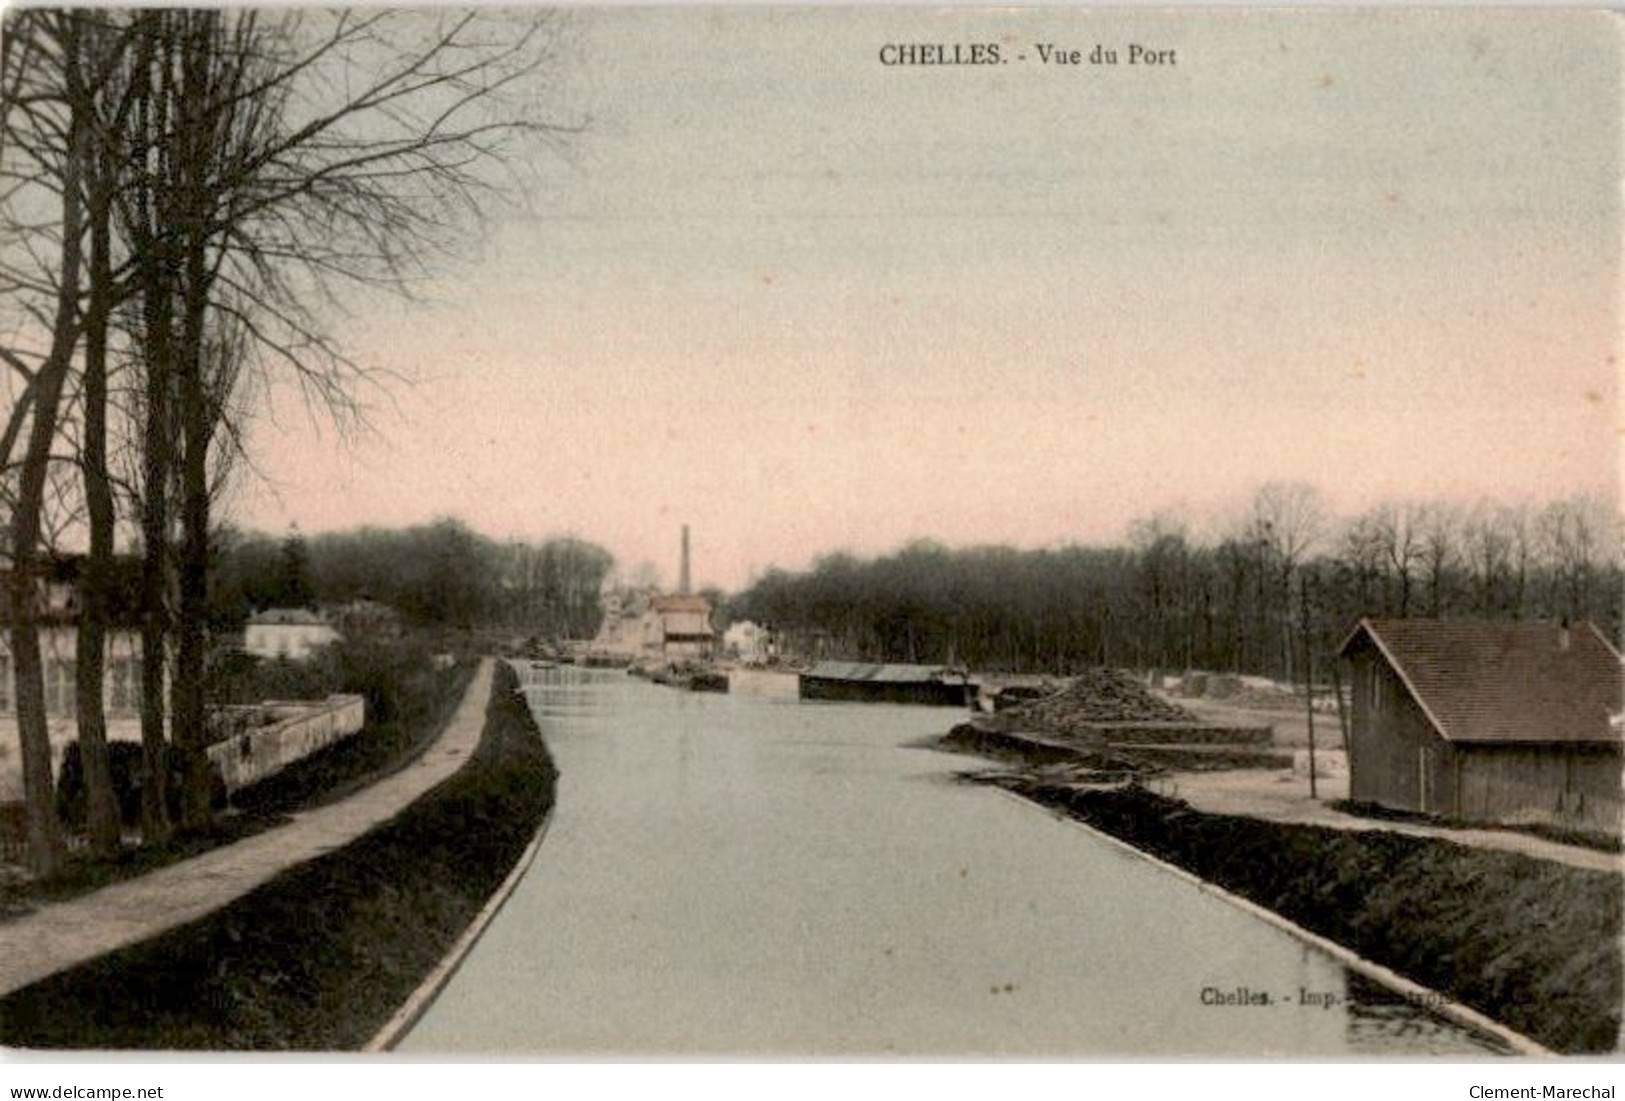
x: 63, y: 934
x: 1284, y: 797
x: 1290, y: 724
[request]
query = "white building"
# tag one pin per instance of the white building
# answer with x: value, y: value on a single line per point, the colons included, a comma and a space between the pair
x: 750, y: 642
x: 59, y: 653
x: 292, y: 633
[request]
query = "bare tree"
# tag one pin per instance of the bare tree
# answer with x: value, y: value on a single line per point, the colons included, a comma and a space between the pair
x: 1397, y: 526
x: 278, y: 178
x: 1437, y: 525
x: 1487, y: 544
x: 253, y: 161
x: 1362, y: 550
x: 1523, y: 557
x: 145, y: 223
x: 1576, y: 537
x: 97, y: 44
x: 50, y: 137
x: 1163, y: 557
x: 1288, y: 518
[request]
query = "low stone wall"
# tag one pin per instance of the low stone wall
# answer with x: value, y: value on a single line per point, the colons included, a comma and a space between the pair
x: 254, y: 751
x: 300, y: 730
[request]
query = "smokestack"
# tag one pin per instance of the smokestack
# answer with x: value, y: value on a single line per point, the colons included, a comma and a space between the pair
x: 682, y: 577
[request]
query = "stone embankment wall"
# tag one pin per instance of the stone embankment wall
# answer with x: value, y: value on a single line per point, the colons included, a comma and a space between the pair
x: 299, y: 730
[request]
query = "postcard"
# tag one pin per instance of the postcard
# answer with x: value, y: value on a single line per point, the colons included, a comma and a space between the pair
x: 811, y: 532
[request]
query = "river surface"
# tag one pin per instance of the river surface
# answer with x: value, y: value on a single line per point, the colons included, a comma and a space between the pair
x: 737, y: 875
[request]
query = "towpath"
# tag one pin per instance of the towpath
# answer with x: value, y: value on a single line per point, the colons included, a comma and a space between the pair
x: 60, y: 935
x: 1284, y: 797
x: 1280, y: 797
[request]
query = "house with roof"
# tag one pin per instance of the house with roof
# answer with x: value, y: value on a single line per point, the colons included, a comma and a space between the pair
x: 680, y: 626
x: 1512, y: 722
x: 647, y: 623
x: 292, y: 633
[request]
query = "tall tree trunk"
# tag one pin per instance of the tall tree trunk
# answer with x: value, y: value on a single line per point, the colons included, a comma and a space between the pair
x: 155, y: 824
x: 96, y: 582
x: 45, y: 846
x: 191, y: 731
x: 154, y: 253
x: 46, y: 850
x: 102, y: 812
x: 196, y: 133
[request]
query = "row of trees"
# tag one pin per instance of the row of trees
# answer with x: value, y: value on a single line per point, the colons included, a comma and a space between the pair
x: 439, y: 574
x: 1285, y: 575
x: 183, y: 194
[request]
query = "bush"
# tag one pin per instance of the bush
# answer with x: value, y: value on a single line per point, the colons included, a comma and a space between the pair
x: 128, y: 769
x: 236, y: 677
x: 390, y: 674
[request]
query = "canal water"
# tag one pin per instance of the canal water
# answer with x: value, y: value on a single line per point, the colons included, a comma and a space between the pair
x: 738, y: 875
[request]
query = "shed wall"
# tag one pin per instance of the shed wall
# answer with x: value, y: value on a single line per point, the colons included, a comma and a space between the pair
x: 1563, y: 785
x: 1396, y: 758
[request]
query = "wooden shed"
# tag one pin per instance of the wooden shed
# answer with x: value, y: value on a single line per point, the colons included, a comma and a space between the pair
x: 1494, y: 722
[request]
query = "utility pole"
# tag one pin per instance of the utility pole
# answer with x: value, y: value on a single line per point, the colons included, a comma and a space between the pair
x: 1308, y: 678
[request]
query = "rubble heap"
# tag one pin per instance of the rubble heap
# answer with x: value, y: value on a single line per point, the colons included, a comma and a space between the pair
x: 1095, y: 696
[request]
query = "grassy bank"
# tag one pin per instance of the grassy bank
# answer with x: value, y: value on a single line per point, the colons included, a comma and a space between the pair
x: 409, y: 703
x: 1532, y: 943
x: 322, y: 955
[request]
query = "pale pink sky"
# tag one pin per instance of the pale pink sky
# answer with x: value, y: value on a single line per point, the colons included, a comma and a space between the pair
x: 805, y: 302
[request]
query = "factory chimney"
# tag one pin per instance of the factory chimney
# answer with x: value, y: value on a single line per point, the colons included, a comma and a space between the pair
x: 682, y: 577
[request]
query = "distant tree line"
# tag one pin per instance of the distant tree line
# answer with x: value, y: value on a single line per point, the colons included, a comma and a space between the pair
x: 437, y: 574
x: 1281, y: 585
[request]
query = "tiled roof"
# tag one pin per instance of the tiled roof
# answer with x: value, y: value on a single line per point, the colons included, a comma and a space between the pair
x: 678, y: 602
x: 1504, y: 682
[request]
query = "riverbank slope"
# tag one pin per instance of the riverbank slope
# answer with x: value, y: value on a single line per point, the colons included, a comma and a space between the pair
x: 1532, y: 943
x: 319, y: 957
